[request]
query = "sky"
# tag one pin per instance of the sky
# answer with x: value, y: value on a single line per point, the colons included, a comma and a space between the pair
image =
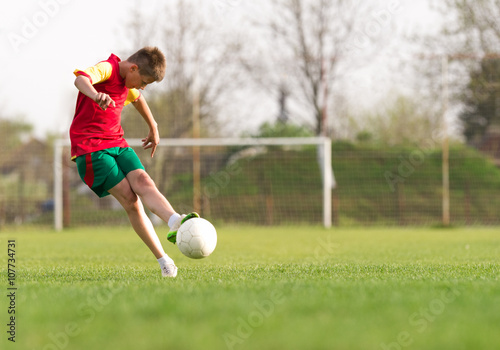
x: 42, y: 42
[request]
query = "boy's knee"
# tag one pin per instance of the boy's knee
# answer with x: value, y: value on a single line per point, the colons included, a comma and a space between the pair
x: 131, y: 202
x: 142, y: 183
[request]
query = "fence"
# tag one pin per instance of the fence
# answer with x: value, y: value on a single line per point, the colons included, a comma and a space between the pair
x: 270, y: 185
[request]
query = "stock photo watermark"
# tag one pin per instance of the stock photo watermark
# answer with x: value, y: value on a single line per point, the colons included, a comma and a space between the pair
x: 89, y: 309
x: 264, y: 310
x: 223, y: 6
x: 421, y: 320
x: 261, y: 311
x: 11, y: 290
x: 408, y: 164
x: 32, y: 24
x: 379, y: 20
x: 325, y: 247
x: 217, y: 182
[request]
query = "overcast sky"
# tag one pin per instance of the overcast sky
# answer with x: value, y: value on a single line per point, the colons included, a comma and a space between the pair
x: 42, y: 42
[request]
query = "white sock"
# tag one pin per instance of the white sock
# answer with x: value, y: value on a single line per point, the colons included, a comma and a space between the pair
x: 173, y: 219
x: 165, y: 260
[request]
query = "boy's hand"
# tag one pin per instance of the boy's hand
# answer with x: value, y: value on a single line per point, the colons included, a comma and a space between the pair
x: 104, y: 101
x: 151, y: 141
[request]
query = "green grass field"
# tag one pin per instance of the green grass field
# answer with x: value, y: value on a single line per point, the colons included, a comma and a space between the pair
x: 263, y: 288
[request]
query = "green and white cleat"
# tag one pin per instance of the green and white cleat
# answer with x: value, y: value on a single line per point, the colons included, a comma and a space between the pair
x: 172, y: 235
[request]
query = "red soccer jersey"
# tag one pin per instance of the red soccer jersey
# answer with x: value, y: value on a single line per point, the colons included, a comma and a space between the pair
x: 94, y: 129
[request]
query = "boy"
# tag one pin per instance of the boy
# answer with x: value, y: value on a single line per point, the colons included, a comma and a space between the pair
x: 104, y: 160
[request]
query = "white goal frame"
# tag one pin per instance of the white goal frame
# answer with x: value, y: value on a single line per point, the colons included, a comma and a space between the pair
x: 324, y: 155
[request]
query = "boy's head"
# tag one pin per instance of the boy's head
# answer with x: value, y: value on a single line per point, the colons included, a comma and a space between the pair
x: 151, y: 64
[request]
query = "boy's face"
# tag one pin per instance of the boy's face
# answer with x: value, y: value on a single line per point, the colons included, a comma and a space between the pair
x: 134, y: 80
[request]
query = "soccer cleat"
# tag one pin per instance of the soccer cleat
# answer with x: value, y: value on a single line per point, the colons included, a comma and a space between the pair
x: 172, y: 235
x: 169, y: 270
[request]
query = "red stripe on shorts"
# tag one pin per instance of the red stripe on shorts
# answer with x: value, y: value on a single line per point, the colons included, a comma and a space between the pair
x: 89, y: 172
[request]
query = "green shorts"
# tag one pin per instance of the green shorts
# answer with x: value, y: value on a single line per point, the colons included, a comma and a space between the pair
x: 103, y: 170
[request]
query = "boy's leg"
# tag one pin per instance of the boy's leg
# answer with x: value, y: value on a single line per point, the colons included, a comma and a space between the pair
x: 142, y: 184
x: 100, y: 172
x: 143, y: 226
x: 138, y: 218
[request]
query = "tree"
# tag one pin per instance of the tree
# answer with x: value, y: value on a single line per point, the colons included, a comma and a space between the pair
x: 199, y: 77
x: 472, y: 25
x: 311, y: 43
x: 198, y: 58
x: 12, y: 135
x: 279, y: 129
x: 482, y: 101
x: 471, y: 37
x: 401, y: 121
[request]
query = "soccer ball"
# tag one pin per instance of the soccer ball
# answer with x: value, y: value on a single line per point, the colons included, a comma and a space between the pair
x: 196, y: 238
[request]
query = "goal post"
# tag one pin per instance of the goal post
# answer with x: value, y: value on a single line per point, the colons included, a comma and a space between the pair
x: 225, y: 153
x: 58, y: 182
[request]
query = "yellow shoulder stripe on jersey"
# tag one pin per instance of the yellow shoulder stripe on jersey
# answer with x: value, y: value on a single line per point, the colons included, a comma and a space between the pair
x: 133, y: 95
x: 98, y: 73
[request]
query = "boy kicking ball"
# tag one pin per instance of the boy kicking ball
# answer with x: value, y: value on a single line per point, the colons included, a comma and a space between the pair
x: 104, y: 160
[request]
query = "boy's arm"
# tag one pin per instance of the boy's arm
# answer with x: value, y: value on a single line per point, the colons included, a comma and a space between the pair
x: 84, y: 85
x: 153, y: 138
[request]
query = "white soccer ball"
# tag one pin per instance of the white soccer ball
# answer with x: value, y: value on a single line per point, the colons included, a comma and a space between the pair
x: 196, y: 238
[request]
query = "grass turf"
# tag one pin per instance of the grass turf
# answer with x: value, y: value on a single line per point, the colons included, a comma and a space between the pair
x: 263, y: 288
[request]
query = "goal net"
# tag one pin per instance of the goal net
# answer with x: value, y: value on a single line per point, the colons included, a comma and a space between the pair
x: 255, y: 181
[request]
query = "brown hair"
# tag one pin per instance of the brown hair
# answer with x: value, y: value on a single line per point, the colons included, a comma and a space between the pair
x: 151, y: 62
